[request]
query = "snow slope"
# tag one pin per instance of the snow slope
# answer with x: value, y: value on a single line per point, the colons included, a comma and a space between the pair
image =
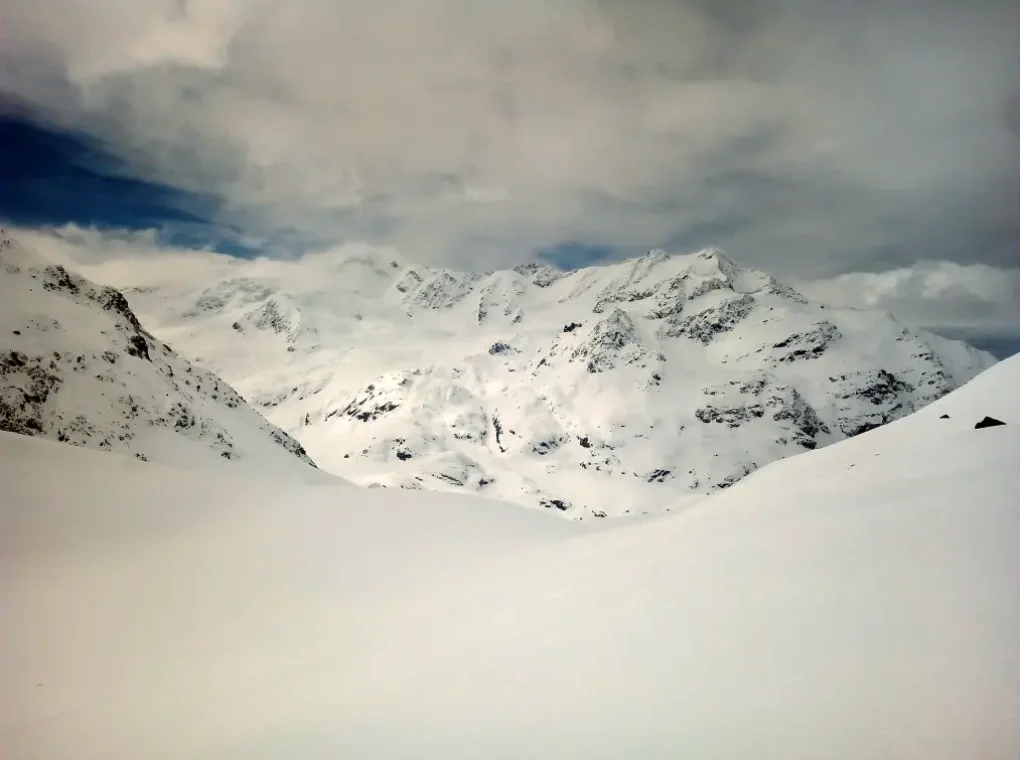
x: 858, y: 601
x: 76, y: 365
x: 608, y: 390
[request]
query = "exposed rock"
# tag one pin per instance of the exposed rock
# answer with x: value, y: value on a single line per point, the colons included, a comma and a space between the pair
x: 98, y: 379
x: 707, y: 325
x: 807, y: 345
x: 611, y: 343
x: 988, y: 422
x: 886, y: 398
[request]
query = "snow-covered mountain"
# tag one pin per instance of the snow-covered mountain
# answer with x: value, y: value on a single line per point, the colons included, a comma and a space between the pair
x: 858, y: 601
x: 77, y: 366
x: 606, y: 390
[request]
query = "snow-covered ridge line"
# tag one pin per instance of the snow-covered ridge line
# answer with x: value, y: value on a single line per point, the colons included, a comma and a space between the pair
x: 77, y: 366
x: 607, y: 390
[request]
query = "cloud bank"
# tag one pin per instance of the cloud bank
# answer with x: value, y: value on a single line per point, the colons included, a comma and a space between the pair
x: 974, y: 302
x: 808, y: 136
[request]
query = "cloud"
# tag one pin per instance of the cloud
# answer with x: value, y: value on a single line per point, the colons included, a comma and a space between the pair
x: 974, y: 302
x: 807, y: 136
x: 978, y: 303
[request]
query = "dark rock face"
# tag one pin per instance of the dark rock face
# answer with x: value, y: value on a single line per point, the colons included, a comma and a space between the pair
x: 622, y: 296
x: 440, y: 291
x: 804, y: 421
x: 887, y: 398
x: 408, y: 282
x: 560, y: 504
x: 540, y: 275
x: 112, y: 383
x: 988, y: 422
x: 28, y: 383
x: 742, y: 472
x: 932, y: 380
x: 542, y: 448
x: 366, y: 406
x: 741, y: 402
x: 707, y: 325
x: 270, y: 317
x: 613, y: 342
x: 731, y: 416
x: 498, y: 298
x: 671, y: 295
x: 807, y: 345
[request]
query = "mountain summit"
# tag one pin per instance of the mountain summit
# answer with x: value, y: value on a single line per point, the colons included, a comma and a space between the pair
x: 605, y: 390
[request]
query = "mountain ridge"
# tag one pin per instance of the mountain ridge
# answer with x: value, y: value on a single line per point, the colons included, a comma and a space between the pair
x: 605, y: 390
x: 77, y: 366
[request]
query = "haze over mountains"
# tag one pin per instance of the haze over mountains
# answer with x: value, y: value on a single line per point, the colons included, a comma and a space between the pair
x: 605, y: 391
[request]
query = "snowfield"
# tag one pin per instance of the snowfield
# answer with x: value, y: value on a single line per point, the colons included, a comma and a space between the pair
x: 858, y: 601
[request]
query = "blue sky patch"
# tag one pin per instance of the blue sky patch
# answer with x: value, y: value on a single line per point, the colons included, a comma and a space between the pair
x: 573, y: 254
x: 53, y: 176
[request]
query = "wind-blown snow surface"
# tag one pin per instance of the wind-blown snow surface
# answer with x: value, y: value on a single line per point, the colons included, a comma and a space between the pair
x: 858, y: 601
x: 76, y: 365
x: 609, y: 390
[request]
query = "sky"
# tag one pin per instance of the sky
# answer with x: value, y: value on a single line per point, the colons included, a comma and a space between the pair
x: 871, y: 147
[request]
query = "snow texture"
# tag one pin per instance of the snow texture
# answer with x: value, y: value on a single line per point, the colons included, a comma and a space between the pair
x: 855, y: 601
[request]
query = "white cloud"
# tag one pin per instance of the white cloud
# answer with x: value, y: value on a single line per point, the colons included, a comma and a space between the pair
x: 792, y: 132
x: 959, y: 299
x: 970, y: 301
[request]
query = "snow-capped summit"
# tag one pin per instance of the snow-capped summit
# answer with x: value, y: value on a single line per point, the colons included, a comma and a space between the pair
x: 77, y: 366
x: 605, y: 390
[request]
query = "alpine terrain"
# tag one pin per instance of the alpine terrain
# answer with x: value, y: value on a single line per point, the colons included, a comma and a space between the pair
x: 857, y: 601
x: 77, y: 366
x: 608, y: 390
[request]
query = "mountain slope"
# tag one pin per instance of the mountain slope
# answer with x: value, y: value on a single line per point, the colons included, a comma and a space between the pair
x: 858, y: 601
x: 77, y: 366
x: 607, y: 390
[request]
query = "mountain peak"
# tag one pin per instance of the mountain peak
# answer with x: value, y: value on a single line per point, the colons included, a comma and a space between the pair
x: 605, y: 390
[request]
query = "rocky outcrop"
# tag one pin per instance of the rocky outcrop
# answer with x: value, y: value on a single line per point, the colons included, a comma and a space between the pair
x: 741, y: 402
x: 869, y: 399
x: 810, y: 344
x: 707, y: 325
x: 612, y: 342
x: 87, y: 373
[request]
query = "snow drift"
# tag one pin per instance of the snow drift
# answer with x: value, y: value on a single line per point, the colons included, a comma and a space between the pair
x: 858, y: 601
